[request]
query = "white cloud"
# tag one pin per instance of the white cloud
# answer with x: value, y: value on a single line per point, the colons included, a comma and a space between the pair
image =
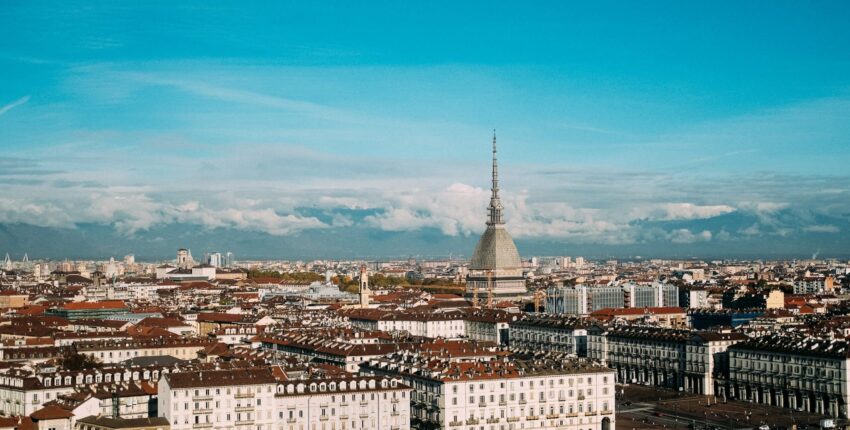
x: 686, y: 236
x: 14, y: 104
x: 822, y: 228
x: 457, y: 209
x: 763, y: 207
x: 14, y: 210
x: 679, y: 211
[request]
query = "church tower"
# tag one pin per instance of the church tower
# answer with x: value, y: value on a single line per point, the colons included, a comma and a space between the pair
x: 495, y: 268
x: 365, y: 293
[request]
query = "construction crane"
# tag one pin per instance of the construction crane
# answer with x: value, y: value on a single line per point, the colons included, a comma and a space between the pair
x: 489, y: 288
x: 474, y: 294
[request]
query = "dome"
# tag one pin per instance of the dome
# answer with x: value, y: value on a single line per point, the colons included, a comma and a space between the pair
x: 495, y: 250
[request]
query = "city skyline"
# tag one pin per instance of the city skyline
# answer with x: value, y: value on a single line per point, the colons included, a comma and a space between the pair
x: 310, y: 131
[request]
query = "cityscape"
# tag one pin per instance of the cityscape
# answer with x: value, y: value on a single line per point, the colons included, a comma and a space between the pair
x: 300, y: 216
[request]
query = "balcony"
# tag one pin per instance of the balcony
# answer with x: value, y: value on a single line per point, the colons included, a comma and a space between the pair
x: 472, y: 421
x: 245, y: 422
x: 512, y: 419
x: 522, y: 401
x: 571, y: 415
x: 606, y: 412
x: 244, y: 409
x: 202, y: 398
x: 203, y: 411
x: 290, y: 420
x: 394, y: 400
x: 532, y: 417
x: 244, y: 395
x: 493, y: 420
x: 202, y: 425
x: 455, y: 423
x: 323, y: 417
x: 551, y: 416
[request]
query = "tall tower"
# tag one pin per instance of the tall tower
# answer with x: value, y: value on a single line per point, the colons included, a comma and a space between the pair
x: 495, y: 266
x: 183, y: 258
x: 365, y: 294
x: 495, y: 209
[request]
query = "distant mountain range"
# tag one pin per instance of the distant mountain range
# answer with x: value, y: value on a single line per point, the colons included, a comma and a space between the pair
x: 733, y: 235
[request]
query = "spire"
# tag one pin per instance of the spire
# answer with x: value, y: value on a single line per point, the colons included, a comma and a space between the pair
x: 495, y: 208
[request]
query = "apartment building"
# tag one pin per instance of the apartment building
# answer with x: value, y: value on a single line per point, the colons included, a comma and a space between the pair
x: 547, y: 332
x: 265, y: 398
x: 693, y: 361
x: 791, y: 371
x: 542, y: 391
x: 22, y: 393
x: 115, y: 351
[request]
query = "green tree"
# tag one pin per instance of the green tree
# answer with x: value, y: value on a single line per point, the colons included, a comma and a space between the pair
x: 76, y: 361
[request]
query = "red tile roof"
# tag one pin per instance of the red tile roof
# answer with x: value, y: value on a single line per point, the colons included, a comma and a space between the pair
x: 51, y: 412
x: 106, y: 304
x: 637, y: 311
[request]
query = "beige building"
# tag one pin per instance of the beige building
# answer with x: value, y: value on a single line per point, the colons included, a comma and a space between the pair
x: 11, y: 299
x: 775, y: 299
x: 265, y: 398
x: 551, y: 392
x: 116, y: 351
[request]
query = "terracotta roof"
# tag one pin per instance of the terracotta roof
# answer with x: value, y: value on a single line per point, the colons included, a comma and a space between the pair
x: 219, y: 378
x: 161, y: 322
x: 637, y: 311
x: 121, y: 423
x: 106, y: 304
x: 219, y: 317
x: 51, y: 412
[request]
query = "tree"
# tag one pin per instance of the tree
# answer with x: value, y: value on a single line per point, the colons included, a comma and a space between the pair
x: 77, y: 361
x: 291, y: 277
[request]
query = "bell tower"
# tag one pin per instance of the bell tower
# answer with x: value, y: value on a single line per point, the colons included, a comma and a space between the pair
x: 365, y: 293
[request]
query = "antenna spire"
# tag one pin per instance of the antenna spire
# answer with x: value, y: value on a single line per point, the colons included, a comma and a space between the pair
x: 495, y: 208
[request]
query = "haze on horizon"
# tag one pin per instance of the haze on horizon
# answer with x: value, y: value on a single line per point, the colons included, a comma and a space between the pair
x: 295, y: 129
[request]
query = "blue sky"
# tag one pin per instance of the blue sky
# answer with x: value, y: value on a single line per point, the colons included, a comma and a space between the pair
x: 253, y: 118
